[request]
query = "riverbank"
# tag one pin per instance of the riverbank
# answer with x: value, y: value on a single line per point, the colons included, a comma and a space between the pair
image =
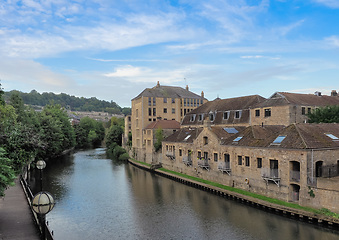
x: 297, y: 212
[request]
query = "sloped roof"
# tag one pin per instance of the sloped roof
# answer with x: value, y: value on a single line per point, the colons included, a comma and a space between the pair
x: 285, y: 98
x: 164, y: 124
x: 167, y: 92
x: 237, y: 103
x: 219, y: 106
x: 187, y: 135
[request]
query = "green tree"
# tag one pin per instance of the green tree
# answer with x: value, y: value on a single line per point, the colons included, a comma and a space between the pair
x: 56, y: 130
x: 159, y: 136
x: 329, y: 114
x: 114, y: 135
x: 2, y: 101
x: 7, y: 174
x: 89, y: 133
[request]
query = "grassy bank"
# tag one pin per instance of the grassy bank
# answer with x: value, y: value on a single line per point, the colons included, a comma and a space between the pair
x: 322, y: 211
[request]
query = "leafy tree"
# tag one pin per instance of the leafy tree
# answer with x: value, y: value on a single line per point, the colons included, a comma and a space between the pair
x: 89, y: 132
x: 159, y: 136
x: 2, y: 101
x: 114, y: 135
x: 56, y: 130
x: 7, y: 174
x: 329, y: 114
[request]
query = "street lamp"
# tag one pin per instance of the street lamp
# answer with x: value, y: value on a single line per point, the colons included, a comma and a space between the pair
x: 43, y: 202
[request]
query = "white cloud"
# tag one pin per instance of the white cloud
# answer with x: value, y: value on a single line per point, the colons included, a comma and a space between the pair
x: 328, y: 3
x: 332, y: 41
x: 30, y: 74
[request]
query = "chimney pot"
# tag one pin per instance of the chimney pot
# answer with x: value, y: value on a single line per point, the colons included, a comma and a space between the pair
x: 334, y: 93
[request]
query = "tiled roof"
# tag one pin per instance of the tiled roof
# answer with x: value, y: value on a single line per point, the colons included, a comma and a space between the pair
x: 294, y: 136
x: 219, y: 106
x: 167, y: 92
x: 164, y: 124
x: 284, y: 98
x: 187, y: 135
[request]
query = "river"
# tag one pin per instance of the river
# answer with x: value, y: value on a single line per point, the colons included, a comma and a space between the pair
x: 99, y: 198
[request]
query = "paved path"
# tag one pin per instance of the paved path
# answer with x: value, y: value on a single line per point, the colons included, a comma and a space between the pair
x: 16, y: 219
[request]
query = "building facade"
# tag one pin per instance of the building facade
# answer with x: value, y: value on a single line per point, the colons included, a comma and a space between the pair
x: 159, y: 103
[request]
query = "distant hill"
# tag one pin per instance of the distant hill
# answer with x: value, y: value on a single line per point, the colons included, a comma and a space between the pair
x: 70, y: 102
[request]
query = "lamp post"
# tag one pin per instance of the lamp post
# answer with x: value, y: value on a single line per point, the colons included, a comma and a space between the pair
x: 43, y: 202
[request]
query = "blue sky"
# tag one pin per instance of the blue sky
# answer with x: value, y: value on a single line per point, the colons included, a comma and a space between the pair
x: 114, y: 49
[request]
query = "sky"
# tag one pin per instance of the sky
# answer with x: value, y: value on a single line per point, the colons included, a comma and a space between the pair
x: 114, y: 49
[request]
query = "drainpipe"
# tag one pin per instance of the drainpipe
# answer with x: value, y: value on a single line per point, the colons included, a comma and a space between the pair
x: 312, y: 168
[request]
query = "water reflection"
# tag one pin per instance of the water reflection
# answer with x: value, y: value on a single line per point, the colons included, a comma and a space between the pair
x: 98, y: 198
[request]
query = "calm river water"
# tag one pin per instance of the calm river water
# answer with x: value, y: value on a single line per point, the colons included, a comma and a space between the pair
x: 98, y: 198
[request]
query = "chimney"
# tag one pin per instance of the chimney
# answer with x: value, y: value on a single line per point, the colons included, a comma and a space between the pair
x: 158, y: 84
x: 317, y: 93
x: 334, y: 93
x: 202, y: 94
x: 187, y: 87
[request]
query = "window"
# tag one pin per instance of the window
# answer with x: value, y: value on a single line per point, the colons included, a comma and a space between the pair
x: 334, y: 138
x: 274, y: 168
x: 154, y: 112
x: 165, y: 100
x: 267, y: 112
x: 231, y: 130
x: 150, y: 119
x: 259, y: 162
x: 137, y: 122
x: 237, y: 114
x: 173, y: 110
x: 173, y: 100
x: 247, y: 161
x: 206, y: 155
x: 205, y: 140
x: 154, y: 119
x: 237, y: 139
x: 185, y: 111
x: 165, y: 110
x: 227, y: 157
x: 226, y: 115
x: 192, y: 118
x: 239, y: 160
x: 149, y: 111
x: 187, y: 137
x: 154, y: 101
x: 200, y: 118
x: 257, y: 112
x: 308, y: 110
x: 184, y: 102
x: 149, y: 101
x: 136, y: 113
x: 180, y: 152
x: 279, y: 139
x: 215, y: 156
x: 191, y: 102
x: 195, y: 102
x: 199, y: 154
x: 211, y: 116
x: 201, y: 102
x: 303, y: 111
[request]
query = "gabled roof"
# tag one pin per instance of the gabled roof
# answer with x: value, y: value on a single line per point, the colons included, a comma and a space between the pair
x: 237, y: 103
x: 187, y: 135
x: 219, y: 106
x: 284, y: 98
x: 167, y: 92
x: 164, y: 124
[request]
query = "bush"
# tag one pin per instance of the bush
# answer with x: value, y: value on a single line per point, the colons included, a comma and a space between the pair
x: 124, y: 157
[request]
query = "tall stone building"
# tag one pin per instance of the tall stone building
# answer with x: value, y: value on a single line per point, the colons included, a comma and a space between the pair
x: 160, y: 103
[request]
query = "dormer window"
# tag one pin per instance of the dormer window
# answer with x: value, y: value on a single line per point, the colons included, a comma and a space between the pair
x: 205, y: 140
x: 192, y: 118
x: 200, y: 117
x: 237, y: 114
x: 226, y: 115
x: 212, y: 116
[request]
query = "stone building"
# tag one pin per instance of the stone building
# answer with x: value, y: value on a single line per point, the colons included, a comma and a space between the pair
x: 287, y: 108
x: 159, y: 103
x: 297, y: 163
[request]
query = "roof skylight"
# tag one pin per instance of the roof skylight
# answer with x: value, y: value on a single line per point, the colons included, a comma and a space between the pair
x: 335, y: 138
x: 279, y: 139
x: 231, y: 130
x: 237, y: 139
x: 186, y: 138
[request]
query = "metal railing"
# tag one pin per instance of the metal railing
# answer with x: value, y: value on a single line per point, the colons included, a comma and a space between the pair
x: 187, y: 161
x: 224, y: 167
x: 38, y: 220
x: 203, y: 163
